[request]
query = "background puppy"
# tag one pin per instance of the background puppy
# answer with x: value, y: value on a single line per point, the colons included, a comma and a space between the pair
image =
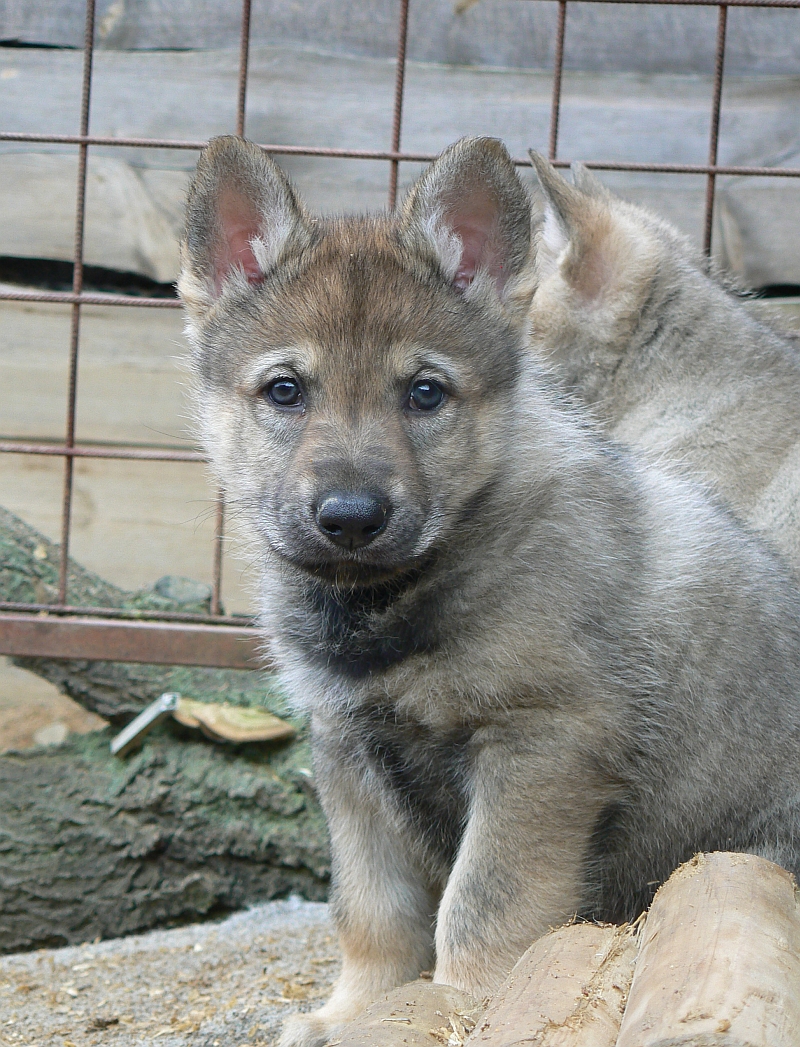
x: 539, y: 672
x: 671, y: 360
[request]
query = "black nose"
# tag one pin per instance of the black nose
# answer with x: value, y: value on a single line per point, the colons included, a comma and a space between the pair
x: 351, y: 520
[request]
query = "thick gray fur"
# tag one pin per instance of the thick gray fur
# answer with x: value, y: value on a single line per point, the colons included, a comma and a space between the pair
x: 667, y: 355
x: 560, y: 670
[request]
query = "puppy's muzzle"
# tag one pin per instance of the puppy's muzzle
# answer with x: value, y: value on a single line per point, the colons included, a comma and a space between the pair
x: 351, y: 520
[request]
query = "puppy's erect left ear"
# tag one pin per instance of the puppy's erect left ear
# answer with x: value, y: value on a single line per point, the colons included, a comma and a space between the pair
x: 472, y: 210
x: 241, y: 215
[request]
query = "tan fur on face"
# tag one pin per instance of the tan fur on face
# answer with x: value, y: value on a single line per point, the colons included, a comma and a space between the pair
x: 356, y: 365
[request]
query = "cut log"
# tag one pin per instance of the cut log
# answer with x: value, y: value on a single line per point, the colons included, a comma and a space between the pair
x: 419, y: 1014
x: 93, y: 845
x: 719, y: 962
x: 568, y: 990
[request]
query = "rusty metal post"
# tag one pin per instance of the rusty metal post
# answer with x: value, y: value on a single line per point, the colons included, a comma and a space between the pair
x: 244, y: 56
x: 156, y: 643
x: 219, y: 538
x: 399, y: 90
x: 77, y: 287
x: 558, y: 69
x: 716, y: 103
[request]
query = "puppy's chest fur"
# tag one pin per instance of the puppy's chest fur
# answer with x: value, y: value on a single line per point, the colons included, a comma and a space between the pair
x: 360, y: 632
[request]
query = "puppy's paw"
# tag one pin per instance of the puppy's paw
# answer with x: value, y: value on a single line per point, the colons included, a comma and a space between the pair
x: 309, y: 1030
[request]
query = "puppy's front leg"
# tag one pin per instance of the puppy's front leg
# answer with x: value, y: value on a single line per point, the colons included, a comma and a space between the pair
x: 381, y: 906
x: 519, y: 868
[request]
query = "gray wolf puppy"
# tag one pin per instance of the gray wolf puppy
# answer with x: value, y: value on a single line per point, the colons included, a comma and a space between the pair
x: 539, y: 672
x: 671, y: 360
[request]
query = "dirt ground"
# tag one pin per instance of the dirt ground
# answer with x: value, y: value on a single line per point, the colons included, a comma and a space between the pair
x: 34, y: 712
x: 226, y: 984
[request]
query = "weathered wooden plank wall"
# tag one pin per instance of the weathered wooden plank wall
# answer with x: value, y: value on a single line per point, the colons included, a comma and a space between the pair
x: 490, y: 32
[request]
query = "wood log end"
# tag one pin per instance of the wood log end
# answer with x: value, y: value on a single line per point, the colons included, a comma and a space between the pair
x: 719, y: 962
x: 571, y: 984
x: 418, y: 1014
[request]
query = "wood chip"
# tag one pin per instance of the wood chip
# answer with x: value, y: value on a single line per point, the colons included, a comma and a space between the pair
x: 232, y: 723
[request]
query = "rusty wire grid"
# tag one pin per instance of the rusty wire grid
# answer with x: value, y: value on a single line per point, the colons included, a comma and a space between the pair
x: 61, y: 629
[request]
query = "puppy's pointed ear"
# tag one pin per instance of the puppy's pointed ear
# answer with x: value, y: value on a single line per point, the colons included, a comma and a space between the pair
x: 583, y: 239
x: 241, y: 215
x: 471, y: 209
x: 562, y: 203
x: 587, y: 182
x: 593, y: 250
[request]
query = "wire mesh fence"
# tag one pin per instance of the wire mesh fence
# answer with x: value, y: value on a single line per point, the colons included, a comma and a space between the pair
x: 63, y: 628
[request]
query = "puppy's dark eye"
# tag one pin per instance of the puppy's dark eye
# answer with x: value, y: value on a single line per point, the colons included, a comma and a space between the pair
x: 425, y: 395
x: 285, y: 392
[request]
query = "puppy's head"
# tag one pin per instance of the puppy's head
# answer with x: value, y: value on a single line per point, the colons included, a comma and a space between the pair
x: 353, y: 376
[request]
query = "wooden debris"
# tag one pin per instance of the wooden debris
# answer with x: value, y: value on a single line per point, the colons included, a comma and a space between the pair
x: 569, y: 989
x: 419, y: 1014
x: 223, y: 722
x: 719, y: 962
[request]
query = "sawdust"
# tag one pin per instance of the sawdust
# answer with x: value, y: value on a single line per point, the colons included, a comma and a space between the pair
x: 227, y: 984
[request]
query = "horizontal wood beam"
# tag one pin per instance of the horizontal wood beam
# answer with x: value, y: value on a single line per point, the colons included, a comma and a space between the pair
x: 158, y: 643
